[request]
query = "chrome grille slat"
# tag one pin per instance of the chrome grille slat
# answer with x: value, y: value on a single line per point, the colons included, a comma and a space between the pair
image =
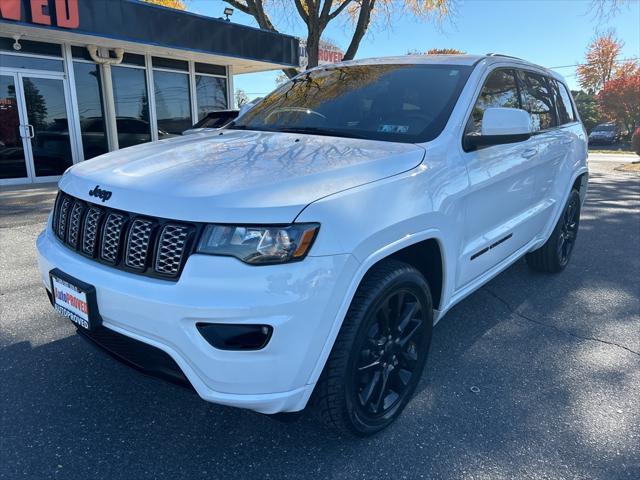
x: 144, y: 245
x: 138, y: 243
x: 63, y: 215
x: 90, y: 231
x: 171, y: 247
x: 111, y: 235
x: 73, y: 229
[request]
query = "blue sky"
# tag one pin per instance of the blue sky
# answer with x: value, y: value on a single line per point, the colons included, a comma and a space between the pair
x: 548, y: 32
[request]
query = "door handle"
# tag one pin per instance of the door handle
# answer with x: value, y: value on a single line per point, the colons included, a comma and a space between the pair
x: 530, y: 152
x: 32, y: 131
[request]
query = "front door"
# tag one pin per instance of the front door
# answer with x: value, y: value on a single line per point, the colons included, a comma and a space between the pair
x: 35, y: 144
x: 502, y: 181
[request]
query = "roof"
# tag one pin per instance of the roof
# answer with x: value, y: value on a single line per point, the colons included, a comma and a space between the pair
x: 466, y: 60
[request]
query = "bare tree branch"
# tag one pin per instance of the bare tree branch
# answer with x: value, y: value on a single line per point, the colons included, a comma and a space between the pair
x: 339, y: 9
x: 364, y: 17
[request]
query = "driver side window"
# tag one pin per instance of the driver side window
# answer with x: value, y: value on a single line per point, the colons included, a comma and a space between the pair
x: 499, y: 90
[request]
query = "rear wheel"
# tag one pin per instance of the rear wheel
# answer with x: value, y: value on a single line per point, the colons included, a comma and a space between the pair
x: 380, y: 353
x: 555, y: 254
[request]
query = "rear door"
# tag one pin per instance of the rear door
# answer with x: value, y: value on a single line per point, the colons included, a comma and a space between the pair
x: 538, y: 98
x: 502, y: 179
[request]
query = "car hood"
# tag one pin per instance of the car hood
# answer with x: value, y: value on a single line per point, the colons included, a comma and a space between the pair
x: 236, y: 176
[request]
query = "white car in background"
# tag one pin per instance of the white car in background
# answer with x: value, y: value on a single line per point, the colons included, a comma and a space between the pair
x: 302, y: 254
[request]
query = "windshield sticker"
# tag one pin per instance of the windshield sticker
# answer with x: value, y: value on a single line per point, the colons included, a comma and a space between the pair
x: 393, y: 128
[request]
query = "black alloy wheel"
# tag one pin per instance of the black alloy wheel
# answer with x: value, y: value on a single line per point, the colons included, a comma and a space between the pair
x: 379, y: 355
x: 555, y: 254
x: 568, y: 230
x: 389, y: 353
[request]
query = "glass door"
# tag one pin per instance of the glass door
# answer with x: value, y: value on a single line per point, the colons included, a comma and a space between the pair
x: 47, y: 127
x: 35, y: 144
x: 14, y: 167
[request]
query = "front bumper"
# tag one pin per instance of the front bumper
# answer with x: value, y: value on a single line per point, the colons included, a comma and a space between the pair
x: 300, y: 300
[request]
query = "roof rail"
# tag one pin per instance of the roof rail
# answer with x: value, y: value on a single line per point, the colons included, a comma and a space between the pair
x: 502, y: 55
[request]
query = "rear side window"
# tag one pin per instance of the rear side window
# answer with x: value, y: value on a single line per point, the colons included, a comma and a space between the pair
x: 499, y: 90
x: 563, y: 103
x: 537, y: 99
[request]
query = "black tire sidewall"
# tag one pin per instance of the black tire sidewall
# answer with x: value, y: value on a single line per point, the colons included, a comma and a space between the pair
x: 413, y: 281
x: 573, y: 196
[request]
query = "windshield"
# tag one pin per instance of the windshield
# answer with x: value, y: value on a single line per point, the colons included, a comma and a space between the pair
x: 605, y: 128
x: 400, y: 103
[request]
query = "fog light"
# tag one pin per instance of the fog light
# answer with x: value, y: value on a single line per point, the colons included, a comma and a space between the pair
x: 235, y: 337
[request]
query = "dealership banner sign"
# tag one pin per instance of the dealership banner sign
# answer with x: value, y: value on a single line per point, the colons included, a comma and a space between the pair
x: 327, y: 53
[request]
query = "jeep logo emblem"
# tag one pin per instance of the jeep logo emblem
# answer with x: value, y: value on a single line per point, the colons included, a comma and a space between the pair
x: 103, y: 195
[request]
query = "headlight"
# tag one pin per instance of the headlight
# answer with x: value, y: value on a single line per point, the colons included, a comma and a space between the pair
x: 259, y: 244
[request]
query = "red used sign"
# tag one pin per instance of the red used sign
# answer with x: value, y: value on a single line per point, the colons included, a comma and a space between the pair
x: 66, y: 12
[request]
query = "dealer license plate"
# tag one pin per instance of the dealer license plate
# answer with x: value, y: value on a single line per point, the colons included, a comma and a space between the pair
x: 75, y: 300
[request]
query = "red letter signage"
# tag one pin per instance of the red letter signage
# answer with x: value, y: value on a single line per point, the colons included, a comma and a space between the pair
x: 67, y: 13
x: 10, y: 9
x: 37, y: 12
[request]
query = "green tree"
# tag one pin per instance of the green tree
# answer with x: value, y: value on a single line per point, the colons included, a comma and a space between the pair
x: 588, y: 109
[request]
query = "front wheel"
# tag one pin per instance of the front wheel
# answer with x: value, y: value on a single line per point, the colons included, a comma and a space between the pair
x: 554, y: 255
x: 380, y: 352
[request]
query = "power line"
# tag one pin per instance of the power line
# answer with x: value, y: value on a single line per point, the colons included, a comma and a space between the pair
x: 579, y: 64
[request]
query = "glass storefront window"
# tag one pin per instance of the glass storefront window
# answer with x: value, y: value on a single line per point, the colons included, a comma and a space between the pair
x: 132, y: 105
x: 91, y: 110
x: 32, y: 63
x: 173, y: 104
x: 211, y: 93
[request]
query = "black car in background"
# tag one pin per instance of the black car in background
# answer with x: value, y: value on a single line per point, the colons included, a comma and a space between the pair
x: 214, y: 120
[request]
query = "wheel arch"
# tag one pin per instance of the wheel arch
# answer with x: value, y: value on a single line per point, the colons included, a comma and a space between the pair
x: 404, y: 249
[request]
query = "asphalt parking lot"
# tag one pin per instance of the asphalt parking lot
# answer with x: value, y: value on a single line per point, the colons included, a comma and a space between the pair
x: 555, y: 359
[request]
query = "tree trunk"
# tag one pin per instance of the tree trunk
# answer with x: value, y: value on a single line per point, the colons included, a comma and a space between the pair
x: 361, y: 28
x: 313, y: 45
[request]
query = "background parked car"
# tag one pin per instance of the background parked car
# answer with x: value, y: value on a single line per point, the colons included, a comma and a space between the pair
x: 604, y: 134
x: 213, y: 120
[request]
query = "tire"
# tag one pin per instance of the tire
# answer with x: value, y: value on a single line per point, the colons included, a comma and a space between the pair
x: 555, y: 254
x: 347, y: 396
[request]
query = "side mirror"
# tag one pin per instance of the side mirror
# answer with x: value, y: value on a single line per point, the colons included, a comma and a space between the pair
x: 500, y: 126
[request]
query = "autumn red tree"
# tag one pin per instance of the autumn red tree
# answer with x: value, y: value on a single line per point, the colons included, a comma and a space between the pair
x: 620, y: 100
x: 601, y: 61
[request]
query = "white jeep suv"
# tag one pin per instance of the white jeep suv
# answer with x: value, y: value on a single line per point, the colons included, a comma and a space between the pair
x: 303, y: 253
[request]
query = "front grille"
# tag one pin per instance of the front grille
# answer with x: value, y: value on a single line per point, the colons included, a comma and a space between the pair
x: 146, y: 245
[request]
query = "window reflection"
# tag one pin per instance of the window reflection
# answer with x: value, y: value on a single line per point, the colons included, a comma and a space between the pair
x: 132, y: 105
x: 90, y: 108
x: 47, y: 114
x: 173, y: 104
x: 211, y: 93
x: 12, y: 162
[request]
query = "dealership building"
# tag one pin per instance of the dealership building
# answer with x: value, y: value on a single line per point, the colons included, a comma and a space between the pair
x: 79, y: 78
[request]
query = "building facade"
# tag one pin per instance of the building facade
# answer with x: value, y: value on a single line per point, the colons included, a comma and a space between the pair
x: 79, y: 78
